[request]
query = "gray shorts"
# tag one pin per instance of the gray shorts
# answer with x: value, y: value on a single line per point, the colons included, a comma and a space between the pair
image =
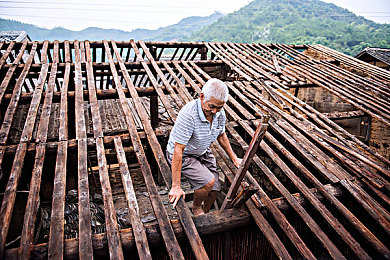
x: 199, y: 170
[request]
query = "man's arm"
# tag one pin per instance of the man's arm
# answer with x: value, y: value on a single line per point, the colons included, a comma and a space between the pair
x: 224, y: 142
x: 176, y: 191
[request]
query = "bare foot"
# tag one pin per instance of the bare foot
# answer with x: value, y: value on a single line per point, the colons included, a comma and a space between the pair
x: 197, y: 211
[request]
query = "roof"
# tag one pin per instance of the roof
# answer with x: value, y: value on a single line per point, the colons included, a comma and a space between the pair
x: 377, y: 53
x: 17, y: 36
x: 95, y: 115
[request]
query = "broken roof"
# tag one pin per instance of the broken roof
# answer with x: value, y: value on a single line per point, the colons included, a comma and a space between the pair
x: 55, y: 104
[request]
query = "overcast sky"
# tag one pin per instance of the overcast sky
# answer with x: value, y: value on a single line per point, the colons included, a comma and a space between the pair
x: 150, y: 14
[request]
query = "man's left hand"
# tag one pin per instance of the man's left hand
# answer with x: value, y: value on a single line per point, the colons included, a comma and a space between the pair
x: 237, y: 162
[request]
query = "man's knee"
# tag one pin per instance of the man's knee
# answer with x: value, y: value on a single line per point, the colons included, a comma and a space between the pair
x: 210, y: 184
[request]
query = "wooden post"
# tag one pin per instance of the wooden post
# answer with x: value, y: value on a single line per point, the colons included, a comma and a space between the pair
x: 203, y: 53
x: 154, y: 98
x: 257, y: 137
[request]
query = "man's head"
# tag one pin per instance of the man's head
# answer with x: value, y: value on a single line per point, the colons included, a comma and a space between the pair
x: 214, y: 95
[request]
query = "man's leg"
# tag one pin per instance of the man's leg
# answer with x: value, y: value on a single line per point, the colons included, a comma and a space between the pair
x: 201, y: 195
x: 209, y: 161
x: 209, y: 201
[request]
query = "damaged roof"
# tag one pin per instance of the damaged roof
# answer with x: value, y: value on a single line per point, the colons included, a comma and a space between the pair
x: 71, y: 110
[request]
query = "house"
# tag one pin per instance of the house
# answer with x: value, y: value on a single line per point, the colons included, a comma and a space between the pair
x: 377, y: 56
x: 84, y: 125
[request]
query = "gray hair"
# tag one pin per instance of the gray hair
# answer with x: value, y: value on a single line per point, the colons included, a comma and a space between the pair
x: 215, y: 88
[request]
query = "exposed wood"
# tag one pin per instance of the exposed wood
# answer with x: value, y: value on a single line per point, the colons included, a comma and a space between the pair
x: 214, y: 222
x: 138, y: 228
x: 8, y: 118
x: 246, y: 161
x: 10, y: 194
x: 344, y: 115
x: 56, y: 237
x: 170, y: 240
x: 182, y: 209
x: 85, y: 242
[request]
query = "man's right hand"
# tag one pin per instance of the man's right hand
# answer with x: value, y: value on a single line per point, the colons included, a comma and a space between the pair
x: 174, y: 194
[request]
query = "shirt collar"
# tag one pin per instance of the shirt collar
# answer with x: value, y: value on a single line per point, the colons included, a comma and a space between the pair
x: 201, y: 114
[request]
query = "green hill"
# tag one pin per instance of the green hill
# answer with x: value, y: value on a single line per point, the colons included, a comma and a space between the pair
x: 177, y: 31
x: 297, y: 22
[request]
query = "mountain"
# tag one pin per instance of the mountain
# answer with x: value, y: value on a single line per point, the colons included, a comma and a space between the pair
x: 297, y: 22
x: 178, y: 31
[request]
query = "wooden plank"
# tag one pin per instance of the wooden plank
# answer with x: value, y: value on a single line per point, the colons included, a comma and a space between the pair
x: 377, y: 212
x: 276, y: 213
x: 113, y: 236
x: 10, y: 194
x: 170, y: 240
x: 96, y: 119
x: 246, y: 161
x: 33, y: 202
x: 183, y: 95
x: 6, y: 54
x: 276, y: 64
x: 153, y: 80
x: 268, y: 231
x: 79, y: 100
x: 56, y: 236
x: 138, y: 228
x: 34, y: 105
x: 261, y: 222
x: 354, y: 154
x: 211, y: 223
x: 63, y: 129
x: 11, y: 70
x: 85, y: 241
x: 161, y: 74
x: 181, y: 207
x: 112, y: 230
x: 338, y: 227
x: 33, y: 198
x: 345, y: 115
x: 9, y: 114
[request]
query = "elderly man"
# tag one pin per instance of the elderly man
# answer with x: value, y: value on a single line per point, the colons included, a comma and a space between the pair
x: 199, y: 123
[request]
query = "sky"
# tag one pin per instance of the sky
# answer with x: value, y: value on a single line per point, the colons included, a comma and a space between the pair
x: 128, y: 15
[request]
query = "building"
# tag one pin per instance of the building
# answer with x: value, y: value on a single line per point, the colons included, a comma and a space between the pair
x: 377, y: 56
x: 84, y: 126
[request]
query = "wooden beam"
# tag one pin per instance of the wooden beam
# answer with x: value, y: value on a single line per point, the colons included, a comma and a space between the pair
x: 345, y: 115
x: 136, y: 224
x: 210, y: 223
x: 247, y: 160
x: 170, y: 240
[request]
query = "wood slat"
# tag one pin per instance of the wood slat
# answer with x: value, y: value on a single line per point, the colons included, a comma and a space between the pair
x: 138, y: 228
x: 6, y: 54
x: 170, y: 240
x: 85, y: 241
x: 112, y: 230
x: 9, y: 114
x: 153, y: 80
x: 56, y: 235
x: 10, y: 194
x: 33, y: 198
x: 33, y: 202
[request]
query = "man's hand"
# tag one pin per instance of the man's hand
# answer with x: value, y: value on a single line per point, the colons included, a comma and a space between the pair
x: 174, y: 194
x: 237, y: 162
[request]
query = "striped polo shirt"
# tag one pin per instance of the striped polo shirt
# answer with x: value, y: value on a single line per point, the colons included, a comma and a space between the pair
x: 193, y: 130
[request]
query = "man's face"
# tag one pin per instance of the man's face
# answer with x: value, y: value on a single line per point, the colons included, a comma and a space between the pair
x: 212, y: 106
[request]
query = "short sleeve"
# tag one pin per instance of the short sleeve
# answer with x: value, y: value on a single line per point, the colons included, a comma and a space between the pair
x: 222, y: 121
x: 183, y: 128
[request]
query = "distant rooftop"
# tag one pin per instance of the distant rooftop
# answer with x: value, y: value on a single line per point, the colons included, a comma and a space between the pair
x: 381, y: 54
x: 18, y: 36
